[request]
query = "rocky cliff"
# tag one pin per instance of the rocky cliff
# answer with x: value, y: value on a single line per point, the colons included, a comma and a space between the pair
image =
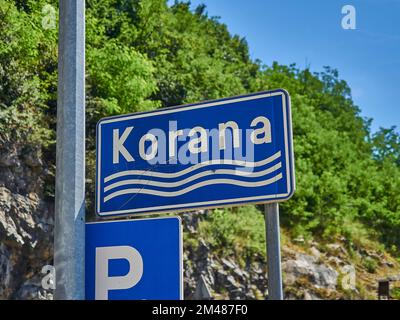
x: 26, y: 220
x: 311, y: 270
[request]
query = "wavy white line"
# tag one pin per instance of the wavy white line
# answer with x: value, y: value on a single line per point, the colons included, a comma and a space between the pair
x: 247, y: 164
x: 192, y: 187
x: 193, y: 177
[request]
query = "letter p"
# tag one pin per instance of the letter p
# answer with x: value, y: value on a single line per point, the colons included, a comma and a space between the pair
x: 104, y: 282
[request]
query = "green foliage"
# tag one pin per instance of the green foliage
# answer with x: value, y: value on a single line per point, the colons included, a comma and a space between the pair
x: 27, y: 52
x: 121, y: 77
x: 238, y: 230
x: 386, y: 145
x: 370, y: 264
x: 340, y: 182
x: 395, y: 293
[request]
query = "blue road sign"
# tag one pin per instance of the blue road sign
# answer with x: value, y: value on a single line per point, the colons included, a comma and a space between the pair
x: 211, y: 154
x: 134, y: 260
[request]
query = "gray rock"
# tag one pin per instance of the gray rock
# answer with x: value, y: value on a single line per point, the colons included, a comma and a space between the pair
x: 26, y: 222
x: 32, y: 290
x: 229, y: 264
x: 8, y: 156
x: 203, y: 291
x: 337, y: 262
x: 310, y: 296
x: 315, y: 252
x: 320, y: 275
x: 388, y: 264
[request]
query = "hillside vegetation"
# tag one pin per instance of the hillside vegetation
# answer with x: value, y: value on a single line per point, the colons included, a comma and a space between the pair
x: 143, y: 55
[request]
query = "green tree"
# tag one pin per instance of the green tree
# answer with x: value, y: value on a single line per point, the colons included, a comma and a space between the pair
x: 386, y: 145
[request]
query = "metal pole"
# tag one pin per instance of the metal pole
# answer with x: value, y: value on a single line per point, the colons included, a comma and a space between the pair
x: 69, y: 233
x: 275, y: 291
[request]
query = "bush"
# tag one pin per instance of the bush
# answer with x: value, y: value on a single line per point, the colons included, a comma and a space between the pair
x: 370, y: 264
x: 238, y: 230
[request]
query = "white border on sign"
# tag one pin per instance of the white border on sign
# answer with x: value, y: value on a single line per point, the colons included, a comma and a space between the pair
x: 208, y: 204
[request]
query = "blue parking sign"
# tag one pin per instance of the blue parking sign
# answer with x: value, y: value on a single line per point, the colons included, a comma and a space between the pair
x: 134, y: 260
x: 211, y: 154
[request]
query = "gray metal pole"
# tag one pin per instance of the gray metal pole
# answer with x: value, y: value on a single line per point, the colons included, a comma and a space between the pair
x: 69, y: 233
x: 275, y: 291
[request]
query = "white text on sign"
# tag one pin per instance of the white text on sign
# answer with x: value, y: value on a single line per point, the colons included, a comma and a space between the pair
x: 197, y: 140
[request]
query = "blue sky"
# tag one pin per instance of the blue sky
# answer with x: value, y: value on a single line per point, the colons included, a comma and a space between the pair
x: 309, y: 32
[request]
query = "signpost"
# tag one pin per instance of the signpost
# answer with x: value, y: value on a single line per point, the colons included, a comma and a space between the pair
x: 210, y: 154
x: 69, y: 232
x: 275, y: 291
x: 134, y: 259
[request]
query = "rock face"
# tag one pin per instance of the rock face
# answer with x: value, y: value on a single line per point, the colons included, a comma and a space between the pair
x: 305, y: 269
x: 26, y: 221
x: 320, y: 275
x: 209, y: 275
